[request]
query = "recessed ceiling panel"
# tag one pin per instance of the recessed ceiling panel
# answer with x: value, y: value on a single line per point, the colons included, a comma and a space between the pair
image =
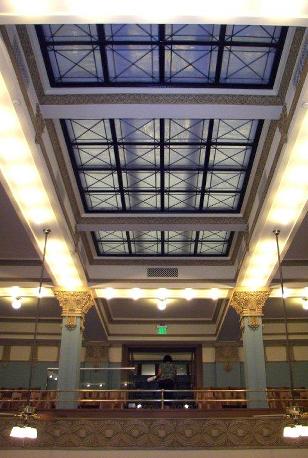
x: 186, y: 55
x: 162, y: 243
x: 162, y: 165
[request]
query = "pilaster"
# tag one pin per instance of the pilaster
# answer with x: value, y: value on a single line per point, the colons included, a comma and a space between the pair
x: 249, y: 305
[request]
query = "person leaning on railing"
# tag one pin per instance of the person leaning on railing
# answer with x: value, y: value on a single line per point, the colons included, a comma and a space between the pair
x: 166, y: 375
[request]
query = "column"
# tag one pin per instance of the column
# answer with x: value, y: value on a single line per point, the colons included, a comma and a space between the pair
x: 249, y: 305
x: 74, y: 306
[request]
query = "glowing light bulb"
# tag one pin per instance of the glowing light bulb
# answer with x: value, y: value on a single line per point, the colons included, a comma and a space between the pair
x: 136, y: 293
x: 189, y: 294
x: 161, y: 305
x: 214, y: 293
x: 139, y: 406
x: 305, y: 303
x: 162, y: 294
x: 109, y: 293
x: 16, y: 303
x: 15, y: 291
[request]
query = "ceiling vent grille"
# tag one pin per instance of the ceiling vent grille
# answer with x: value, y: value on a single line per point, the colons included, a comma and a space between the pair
x: 163, y: 272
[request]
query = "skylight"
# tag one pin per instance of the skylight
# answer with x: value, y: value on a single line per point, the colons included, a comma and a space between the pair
x: 196, y: 55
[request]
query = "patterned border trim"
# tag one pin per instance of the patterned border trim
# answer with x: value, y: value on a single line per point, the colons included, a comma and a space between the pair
x: 149, y: 433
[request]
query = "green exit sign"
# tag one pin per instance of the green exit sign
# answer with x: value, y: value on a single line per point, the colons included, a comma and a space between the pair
x: 161, y: 329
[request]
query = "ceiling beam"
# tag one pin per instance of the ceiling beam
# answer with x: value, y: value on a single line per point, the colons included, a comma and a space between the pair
x: 160, y: 111
x: 162, y: 223
x: 120, y: 11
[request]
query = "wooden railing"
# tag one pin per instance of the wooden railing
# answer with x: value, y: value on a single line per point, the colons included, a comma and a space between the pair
x: 208, y: 399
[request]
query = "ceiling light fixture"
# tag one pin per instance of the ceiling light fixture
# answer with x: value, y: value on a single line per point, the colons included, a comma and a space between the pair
x: 25, y: 430
x: 162, y: 305
x: 189, y: 294
x: 305, y: 303
x: 109, y: 293
x: 294, y: 430
x: 162, y: 294
x: 16, y: 303
x: 136, y: 293
x: 214, y: 294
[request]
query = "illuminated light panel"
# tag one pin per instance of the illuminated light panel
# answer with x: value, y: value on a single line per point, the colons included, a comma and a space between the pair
x: 283, y: 213
x: 23, y: 178
x: 160, y: 11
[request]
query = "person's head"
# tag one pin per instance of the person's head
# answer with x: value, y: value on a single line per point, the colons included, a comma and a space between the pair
x: 167, y: 359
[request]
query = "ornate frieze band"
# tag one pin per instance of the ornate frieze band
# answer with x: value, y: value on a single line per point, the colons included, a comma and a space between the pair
x: 74, y: 304
x: 250, y: 304
x: 159, y: 433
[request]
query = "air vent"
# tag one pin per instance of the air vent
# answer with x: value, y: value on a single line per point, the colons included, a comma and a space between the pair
x: 163, y: 272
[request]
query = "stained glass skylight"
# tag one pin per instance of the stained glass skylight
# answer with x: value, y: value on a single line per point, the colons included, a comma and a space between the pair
x: 165, y: 243
x: 196, y: 55
x: 162, y: 165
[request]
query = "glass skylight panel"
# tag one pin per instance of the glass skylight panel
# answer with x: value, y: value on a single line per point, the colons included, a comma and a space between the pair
x: 88, y: 130
x: 141, y: 180
x: 137, y: 130
x: 76, y: 63
x: 223, y: 202
x: 182, y: 201
x: 162, y: 165
x: 215, y: 236
x: 70, y: 32
x: 154, y: 55
x: 253, y: 33
x: 234, y: 131
x: 192, y: 32
x: 131, y: 32
x: 213, y: 248
x: 165, y: 243
x: 226, y: 181
x: 233, y: 157
x: 134, y: 156
x: 100, y: 202
x: 179, y: 181
x: 98, y: 181
x: 247, y: 65
x: 133, y: 63
x: 186, y: 130
x: 190, y: 64
x: 94, y: 156
x: 184, y: 156
x: 142, y: 201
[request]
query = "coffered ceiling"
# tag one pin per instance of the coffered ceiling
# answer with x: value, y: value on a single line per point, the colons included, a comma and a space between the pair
x: 162, y: 142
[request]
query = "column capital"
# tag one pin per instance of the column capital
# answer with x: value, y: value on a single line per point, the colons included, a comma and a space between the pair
x: 250, y: 304
x: 74, y: 304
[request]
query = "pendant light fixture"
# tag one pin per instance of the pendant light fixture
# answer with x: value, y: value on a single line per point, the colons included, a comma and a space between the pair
x: 295, y: 429
x: 24, y: 429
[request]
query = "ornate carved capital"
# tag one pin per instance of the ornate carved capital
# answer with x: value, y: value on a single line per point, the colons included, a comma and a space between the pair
x: 74, y: 304
x: 250, y: 304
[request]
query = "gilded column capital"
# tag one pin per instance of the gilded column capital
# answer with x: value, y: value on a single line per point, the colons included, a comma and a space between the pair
x: 74, y: 304
x: 250, y: 304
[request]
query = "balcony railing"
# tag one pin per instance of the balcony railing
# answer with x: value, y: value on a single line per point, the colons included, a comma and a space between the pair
x: 207, y: 399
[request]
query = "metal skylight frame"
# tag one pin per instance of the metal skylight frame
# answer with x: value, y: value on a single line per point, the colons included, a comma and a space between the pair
x: 218, y: 58
x: 109, y: 182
